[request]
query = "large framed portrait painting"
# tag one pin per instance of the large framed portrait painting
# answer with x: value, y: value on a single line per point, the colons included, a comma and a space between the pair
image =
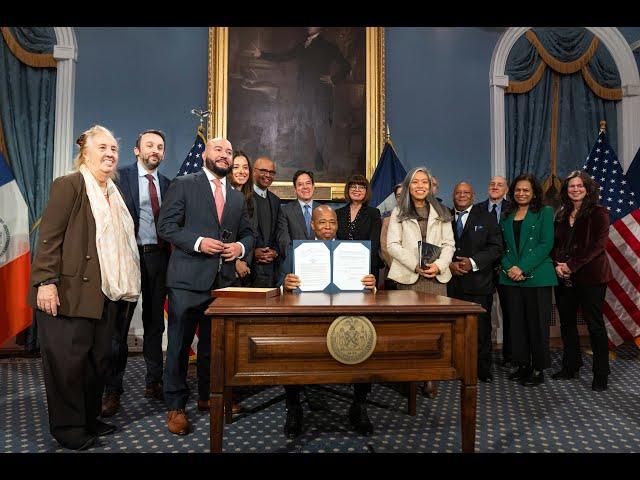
x: 307, y: 97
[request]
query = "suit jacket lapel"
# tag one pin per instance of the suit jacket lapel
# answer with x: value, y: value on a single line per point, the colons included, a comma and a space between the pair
x: 297, y: 213
x: 205, y: 192
x: 134, y: 188
x: 227, y: 204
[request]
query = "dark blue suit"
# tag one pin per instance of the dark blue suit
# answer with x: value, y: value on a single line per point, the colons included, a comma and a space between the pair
x: 153, y: 271
x: 506, y: 321
x: 188, y: 212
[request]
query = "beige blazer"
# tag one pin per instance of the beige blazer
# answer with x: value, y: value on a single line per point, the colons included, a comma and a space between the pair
x: 402, y: 244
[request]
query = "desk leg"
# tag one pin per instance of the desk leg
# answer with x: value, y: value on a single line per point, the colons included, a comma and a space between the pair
x: 413, y: 391
x: 216, y: 402
x: 468, y: 398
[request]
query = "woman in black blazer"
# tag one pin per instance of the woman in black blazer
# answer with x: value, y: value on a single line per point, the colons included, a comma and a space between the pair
x: 358, y: 221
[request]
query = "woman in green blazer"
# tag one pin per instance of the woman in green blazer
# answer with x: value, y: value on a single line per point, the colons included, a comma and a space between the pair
x: 528, y: 276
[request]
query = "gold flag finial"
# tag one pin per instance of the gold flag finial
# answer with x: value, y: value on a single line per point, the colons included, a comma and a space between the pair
x: 603, y: 125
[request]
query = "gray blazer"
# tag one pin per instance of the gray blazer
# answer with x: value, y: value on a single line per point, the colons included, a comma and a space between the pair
x: 189, y: 212
x: 291, y: 224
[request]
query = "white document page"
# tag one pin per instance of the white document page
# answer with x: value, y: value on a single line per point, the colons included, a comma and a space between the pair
x: 313, y: 266
x: 350, y: 265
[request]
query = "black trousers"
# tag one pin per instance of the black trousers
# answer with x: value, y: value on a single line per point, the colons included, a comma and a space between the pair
x: 506, y: 324
x: 75, y: 354
x: 484, y: 326
x: 292, y: 392
x: 590, y: 299
x: 264, y: 275
x: 186, y: 313
x: 530, y: 314
x: 153, y: 276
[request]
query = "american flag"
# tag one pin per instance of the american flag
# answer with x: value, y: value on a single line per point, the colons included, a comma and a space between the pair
x: 622, y: 301
x: 193, y: 162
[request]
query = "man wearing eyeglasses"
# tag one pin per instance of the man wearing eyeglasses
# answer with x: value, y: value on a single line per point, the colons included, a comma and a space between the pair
x: 264, y: 271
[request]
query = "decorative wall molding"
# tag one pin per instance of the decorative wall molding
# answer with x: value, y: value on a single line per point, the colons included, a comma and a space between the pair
x: 628, y: 110
x: 66, y: 52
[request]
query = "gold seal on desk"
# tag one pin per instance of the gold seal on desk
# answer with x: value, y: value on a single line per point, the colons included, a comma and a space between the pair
x: 351, y: 339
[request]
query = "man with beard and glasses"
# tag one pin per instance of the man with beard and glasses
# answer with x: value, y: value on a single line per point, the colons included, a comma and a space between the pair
x: 143, y: 189
x: 207, y: 222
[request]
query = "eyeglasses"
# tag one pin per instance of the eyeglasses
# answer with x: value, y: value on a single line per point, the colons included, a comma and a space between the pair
x: 355, y: 186
x: 264, y: 171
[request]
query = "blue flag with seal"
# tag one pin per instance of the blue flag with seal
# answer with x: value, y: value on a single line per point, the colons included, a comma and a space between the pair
x: 387, y: 175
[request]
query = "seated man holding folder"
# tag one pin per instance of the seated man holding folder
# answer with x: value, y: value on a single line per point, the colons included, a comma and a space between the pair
x: 324, y: 223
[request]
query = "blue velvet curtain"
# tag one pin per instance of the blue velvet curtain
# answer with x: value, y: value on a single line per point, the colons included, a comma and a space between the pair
x: 528, y: 115
x: 27, y: 116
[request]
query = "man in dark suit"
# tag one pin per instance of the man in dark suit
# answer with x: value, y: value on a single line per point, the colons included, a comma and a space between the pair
x: 499, y: 205
x: 324, y: 224
x: 264, y: 268
x: 207, y: 222
x: 295, y: 216
x: 321, y: 65
x: 143, y: 189
x: 478, y: 247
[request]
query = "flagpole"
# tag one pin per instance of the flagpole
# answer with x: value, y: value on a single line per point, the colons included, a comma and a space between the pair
x: 201, y: 114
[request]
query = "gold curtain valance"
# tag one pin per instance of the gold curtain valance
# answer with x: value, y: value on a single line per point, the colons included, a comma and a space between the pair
x: 38, y: 60
x: 580, y: 64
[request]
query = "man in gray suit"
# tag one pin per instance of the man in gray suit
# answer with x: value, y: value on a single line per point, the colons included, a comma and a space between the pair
x: 295, y: 217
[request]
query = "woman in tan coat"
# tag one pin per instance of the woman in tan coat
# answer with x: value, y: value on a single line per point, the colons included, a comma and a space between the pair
x: 86, y: 269
x: 420, y: 218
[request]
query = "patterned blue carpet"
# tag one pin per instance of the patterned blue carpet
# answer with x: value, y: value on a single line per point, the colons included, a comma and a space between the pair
x: 558, y: 416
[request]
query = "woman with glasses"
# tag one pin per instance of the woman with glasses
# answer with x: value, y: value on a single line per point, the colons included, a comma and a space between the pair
x: 581, y: 235
x: 420, y: 219
x: 358, y: 221
x: 527, y: 273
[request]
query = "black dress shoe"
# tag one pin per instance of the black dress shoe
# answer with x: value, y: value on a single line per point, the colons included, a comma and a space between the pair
x: 520, y: 374
x: 599, y: 384
x: 533, y: 379
x: 293, y: 423
x: 507, y: 363
x: 359, y: 419
x: 100, y: 428
x: 488, y: 378
x: 565, y: 374
x: 74, y: 438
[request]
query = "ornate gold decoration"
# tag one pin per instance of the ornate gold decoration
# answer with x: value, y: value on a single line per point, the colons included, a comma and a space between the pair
x: 375, y: 103
x: 351, y: 339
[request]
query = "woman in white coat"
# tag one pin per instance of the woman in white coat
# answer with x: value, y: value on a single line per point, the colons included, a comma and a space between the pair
x: 419, y: 217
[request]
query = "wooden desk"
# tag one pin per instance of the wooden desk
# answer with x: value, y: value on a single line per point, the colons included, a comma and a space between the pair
x: 282, y: 340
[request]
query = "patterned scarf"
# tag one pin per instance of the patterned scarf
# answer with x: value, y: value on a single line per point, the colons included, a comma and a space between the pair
x: 115, y: 241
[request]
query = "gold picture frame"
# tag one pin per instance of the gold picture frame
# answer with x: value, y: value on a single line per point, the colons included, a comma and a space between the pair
x: 218, y: 84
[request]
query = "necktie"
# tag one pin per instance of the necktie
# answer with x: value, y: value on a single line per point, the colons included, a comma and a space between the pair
x: 494, y: 210
x: 155, y: 204
x: 307, y: 219
x: 459, y: 226
x: 219, y: 198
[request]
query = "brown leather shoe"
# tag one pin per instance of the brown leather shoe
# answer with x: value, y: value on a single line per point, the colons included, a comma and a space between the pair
x: 236, y: 408
x: 177, y: 422
x: 154, y: 390
x: 430, y: 389
x: 110, y: 404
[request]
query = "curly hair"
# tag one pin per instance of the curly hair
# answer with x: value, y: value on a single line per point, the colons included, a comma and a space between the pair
x: 590, y: 200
